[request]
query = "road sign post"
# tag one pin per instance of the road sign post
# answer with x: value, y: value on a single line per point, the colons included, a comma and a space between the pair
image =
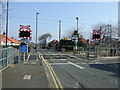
x: 97, y: 37
x: 23, y: 49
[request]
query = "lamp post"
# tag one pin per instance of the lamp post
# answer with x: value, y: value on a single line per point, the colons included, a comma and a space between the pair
x: 36, y: 29
x: 59, y: 30
x: 76, y: 37
x: 77, y: 22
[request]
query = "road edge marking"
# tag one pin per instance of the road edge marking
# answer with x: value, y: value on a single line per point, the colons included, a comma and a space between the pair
x: 52, y: 73
x: 49, y: 71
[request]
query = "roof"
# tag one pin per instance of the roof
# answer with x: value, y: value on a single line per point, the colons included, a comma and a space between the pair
x: 83, y: 40
x: 92, y: 43
x: 53, y: 42
x: 9, y: 39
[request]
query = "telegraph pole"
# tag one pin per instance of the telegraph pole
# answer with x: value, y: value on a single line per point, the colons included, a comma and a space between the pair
x: 7, y: 22
x: 59, y: 30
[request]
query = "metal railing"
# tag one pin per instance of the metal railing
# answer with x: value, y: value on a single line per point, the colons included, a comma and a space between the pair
x: 7, y: 56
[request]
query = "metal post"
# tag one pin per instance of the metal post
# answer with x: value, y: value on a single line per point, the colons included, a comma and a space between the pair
x: 7, y: 23
x: 36, y: 29
x: 77, y: 34
x: 88, y: 48
x: 24, y: 56
x: 59, y: 30
x: 77, y: 23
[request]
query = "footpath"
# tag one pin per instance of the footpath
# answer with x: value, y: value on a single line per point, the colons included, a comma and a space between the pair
x: 25, y: 75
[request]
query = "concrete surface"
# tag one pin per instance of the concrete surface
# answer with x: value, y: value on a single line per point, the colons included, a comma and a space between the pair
x: 25, y: 75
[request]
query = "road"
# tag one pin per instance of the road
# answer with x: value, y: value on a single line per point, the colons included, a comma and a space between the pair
x: 74, y: 72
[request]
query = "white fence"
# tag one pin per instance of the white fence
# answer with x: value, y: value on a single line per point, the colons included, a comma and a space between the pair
x: 7, y: 56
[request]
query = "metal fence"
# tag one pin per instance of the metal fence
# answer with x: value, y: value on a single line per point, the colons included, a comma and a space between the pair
x: 7, y: 56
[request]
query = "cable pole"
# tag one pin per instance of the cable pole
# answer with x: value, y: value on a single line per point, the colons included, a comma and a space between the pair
x: 7, y: 23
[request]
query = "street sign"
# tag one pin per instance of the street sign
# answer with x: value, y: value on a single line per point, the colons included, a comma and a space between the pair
x: 23, y: 48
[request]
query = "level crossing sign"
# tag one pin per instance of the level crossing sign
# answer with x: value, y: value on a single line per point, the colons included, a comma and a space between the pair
x: 23, y: 48
x: 96, y: 34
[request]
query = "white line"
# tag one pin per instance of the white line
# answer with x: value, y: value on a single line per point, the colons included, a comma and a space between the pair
x: 83, y: 63
x: 27, y: 77
x: 78, y: 66
x: 58, y: 63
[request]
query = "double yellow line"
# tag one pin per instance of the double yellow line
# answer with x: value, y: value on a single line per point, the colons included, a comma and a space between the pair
x: 57, y: 83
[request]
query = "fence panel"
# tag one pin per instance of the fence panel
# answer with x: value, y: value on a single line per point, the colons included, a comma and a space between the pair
x: 7, y: 56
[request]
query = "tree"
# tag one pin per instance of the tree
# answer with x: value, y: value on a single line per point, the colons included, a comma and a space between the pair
x: 109, y: 36
x: 81, y: 31
x: 43, y: 38
x: 108, y: 32
x: 68, y: 34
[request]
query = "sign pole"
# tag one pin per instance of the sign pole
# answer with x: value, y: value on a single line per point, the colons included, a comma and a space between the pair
x: 24, y: 56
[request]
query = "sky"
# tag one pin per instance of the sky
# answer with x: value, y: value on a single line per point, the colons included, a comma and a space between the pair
x: 89, y: 14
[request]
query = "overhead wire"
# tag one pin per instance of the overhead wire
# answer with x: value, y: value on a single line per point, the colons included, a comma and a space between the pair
x: 44, y: 20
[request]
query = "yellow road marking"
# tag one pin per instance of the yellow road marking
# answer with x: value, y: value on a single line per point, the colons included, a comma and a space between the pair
x: 57, y: 78
x: 50, y: 72
x: 53, y: 74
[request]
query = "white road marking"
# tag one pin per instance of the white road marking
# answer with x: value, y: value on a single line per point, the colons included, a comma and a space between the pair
x: 97, y: 62
x: 28, y: 77
x: 84, y: 63
x: 58, y: 63
x: 91, y: 63
x: 58, y: 59
x: 78, y: 66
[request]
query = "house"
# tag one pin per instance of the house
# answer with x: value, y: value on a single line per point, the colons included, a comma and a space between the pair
x: 10, y: 40
x: 82, y: 40
x: 53, y: 43
x: 92, y: 43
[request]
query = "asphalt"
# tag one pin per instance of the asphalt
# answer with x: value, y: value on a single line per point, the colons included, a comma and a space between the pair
x: 25, y: 75
x: 83, y: 73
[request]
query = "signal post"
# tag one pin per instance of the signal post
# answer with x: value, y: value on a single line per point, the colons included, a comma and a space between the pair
x: 25, y: 34
x: 96, y: 36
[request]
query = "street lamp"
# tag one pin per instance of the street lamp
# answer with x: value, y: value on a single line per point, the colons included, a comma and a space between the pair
x: 77, y: 22
x: 76, y: 37
x: 36, y: 29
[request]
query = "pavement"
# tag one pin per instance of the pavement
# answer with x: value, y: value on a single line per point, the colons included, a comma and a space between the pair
x: 29, y: 74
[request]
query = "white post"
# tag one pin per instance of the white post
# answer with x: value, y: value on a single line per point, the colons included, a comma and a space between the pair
x: 24, y: 56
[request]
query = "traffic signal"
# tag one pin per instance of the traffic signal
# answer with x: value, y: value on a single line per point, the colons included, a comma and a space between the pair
x: 24, y: 31
x: 75, y: 32
x: 96, y: 36
x: 24, y: 34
